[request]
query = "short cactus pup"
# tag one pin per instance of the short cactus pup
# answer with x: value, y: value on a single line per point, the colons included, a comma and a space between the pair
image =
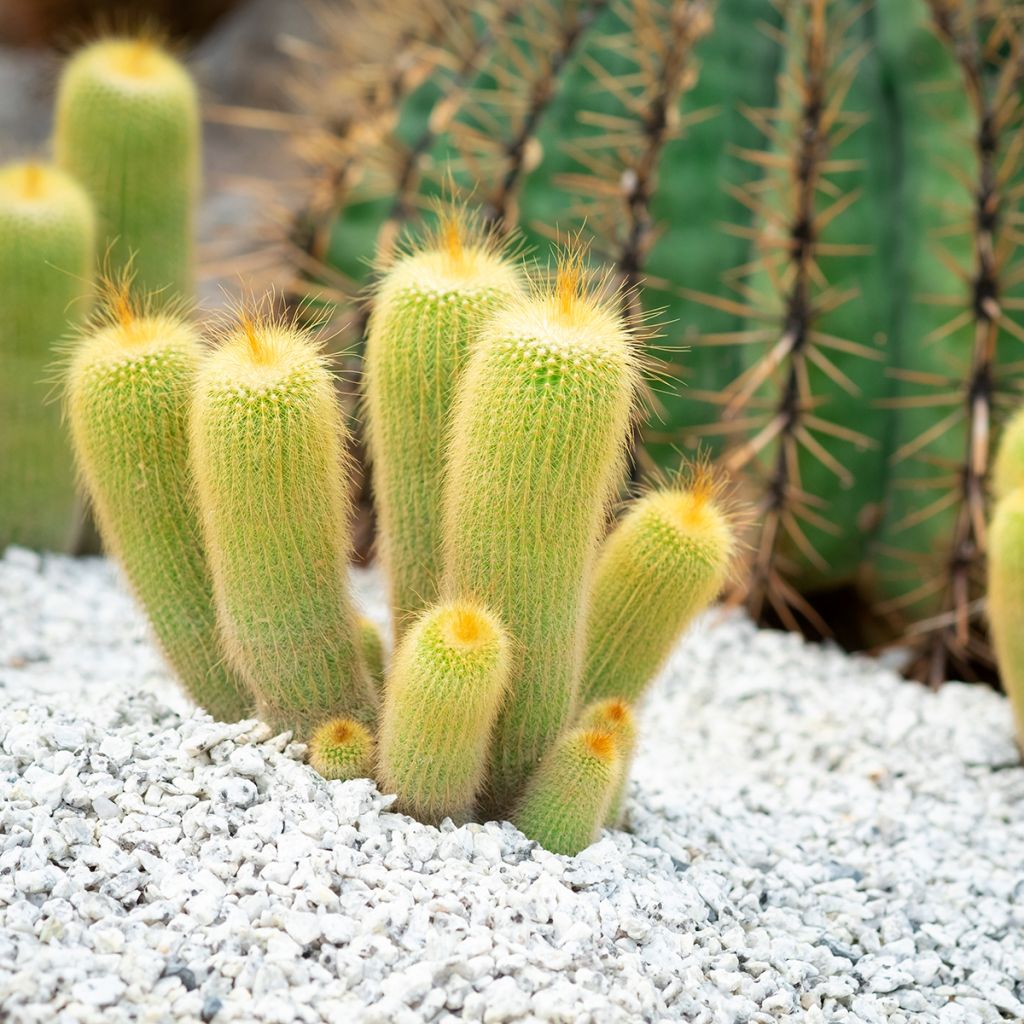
x: 46, y: 256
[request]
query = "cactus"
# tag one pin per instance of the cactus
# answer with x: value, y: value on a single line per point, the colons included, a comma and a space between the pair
x: 538, y: 437
x: 127, y: 127
x: 342, y: 749
x: 373, y: 650
x: 443, y: 694
x: 1006, y: 598
x: 46, y: 247
x: 427, y: 310
x: 615, y: 717
x: 267, y: 448
x: 127, y: 397
x: 1008, y: 467
x: 569, y: 796
x: 665, y: 561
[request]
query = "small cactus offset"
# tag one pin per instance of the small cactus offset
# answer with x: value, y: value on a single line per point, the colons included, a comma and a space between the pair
x: 427, y: 310
x: 538, y: 440
x: 46, y: 256
x: 128, y: 391
x: 268, y: 445
x: 664, y: 563
x: 570, y: 795
x: 127, y: 127
x: 444, y: 690
x: 342, y: 749
x: 614, y: 716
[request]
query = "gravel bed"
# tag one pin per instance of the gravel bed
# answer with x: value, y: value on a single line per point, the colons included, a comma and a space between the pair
x: 811, y: 840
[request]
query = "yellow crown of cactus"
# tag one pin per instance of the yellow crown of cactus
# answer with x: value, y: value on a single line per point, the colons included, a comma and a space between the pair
x: 442, y: 698
x: 127, y: 127
x: 342, y: 749
x: 128, y: 391
x: 536, y: 455
x: 428, y: 309
x: 665, y: 561
x: 47, y: 237
x: 570, y: 794
x: 268, y: 447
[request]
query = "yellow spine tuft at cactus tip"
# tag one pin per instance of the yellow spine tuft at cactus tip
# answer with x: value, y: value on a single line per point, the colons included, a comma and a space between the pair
x: 570, y: 794
x: 268, y: 446
x: 614, y: 716
x: 128, y: 392
x: 665, y: 561
x: 427, y: 310
x: 536, y: 456
x: 127, y: 127
x: 442, y: 697
x: 342, y: 749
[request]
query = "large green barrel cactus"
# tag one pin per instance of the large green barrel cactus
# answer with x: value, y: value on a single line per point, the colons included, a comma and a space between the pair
x: 127, y: 127
x: 46, y: 248
x: 821, y: 196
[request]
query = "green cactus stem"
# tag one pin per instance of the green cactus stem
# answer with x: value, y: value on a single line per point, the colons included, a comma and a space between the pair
x: 442, y: 698
x: 373, y: 651
x: 569, y: 796
x: 663, y: 564
x: 268, y: 447
x: 614, y: 716
x: 1006, y: 598
x: 539, y: 433
x: 428, y: 308
x: 342, y: 749
x: 46, y: 247
x: 127, y: 397
x: 127, y: 127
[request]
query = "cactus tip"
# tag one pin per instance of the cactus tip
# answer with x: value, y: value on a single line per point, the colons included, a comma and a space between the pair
x: 451, y: 238
x: 600, y: 744
x: 468, y: 628
x: 569, y: 280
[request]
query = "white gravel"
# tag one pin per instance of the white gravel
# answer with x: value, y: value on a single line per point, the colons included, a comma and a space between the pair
x: 813, y: 840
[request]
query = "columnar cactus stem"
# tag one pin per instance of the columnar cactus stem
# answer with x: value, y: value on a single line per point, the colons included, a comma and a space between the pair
x: 373, y: 651
x: 661, y: 565
x: 539, y: 430
x: 614, y: 716
x: 570, y: 794
x: 442, y: 698
x: 1006, y: 598
x: 342, y: 749
x: 128, y: 392
x: 46, y: 246
x: 427, y: 311
x: 127, y: 127
x: 268, y: 446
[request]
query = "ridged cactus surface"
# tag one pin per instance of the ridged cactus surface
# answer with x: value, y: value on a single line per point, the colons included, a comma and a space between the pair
x: 427, y: 311
x: 128, y: 393
x: 444, y: 690
x: 268, y: 445
x: 46, y: 257
x: 127, y: 127
x: 538, y: 438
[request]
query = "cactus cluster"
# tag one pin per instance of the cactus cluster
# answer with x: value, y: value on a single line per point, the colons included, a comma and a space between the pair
x: 822, y: 196
x: 500, y: 408
x: 119, y: 201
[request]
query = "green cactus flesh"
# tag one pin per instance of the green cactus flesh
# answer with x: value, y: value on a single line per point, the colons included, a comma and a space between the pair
x: 127, y: 127
x: 662, y: 565
x: 342, y: 749
x: 427, y: 310
x: 569, y: 796
x: 1006, y: 598
x: 46, y: 249
x: 268, y: 447
x: 538, y: 436
x: 442, y: 697
x: 128, y: 393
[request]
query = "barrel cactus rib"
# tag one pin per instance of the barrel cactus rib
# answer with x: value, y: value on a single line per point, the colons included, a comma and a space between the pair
x: 937, y: 524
